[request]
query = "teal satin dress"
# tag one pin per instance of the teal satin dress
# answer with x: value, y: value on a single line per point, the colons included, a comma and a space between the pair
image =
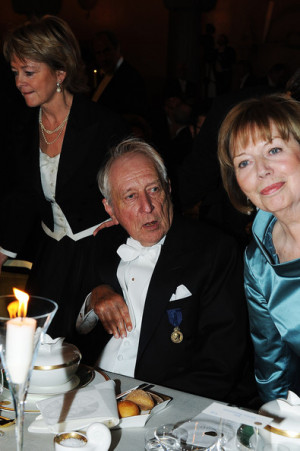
x: 273, y: 295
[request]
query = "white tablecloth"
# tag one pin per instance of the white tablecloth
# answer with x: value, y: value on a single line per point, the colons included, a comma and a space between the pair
x: 184, y: 406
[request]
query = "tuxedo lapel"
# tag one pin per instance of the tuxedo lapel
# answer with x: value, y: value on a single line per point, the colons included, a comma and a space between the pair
x: 77, y: 136
x: 71, y: 157
x: 164, y: 281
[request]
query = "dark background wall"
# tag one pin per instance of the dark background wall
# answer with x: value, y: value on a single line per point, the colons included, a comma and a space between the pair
x: 155, y: 35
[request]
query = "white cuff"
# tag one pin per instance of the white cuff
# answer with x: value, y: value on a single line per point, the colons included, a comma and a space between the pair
x: 86, y: 321
x: 8, y: 253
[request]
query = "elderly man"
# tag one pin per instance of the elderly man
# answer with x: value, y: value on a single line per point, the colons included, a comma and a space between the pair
x: 170, y: 291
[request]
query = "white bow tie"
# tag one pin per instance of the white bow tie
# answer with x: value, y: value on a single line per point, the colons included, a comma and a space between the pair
x: 129, y: 252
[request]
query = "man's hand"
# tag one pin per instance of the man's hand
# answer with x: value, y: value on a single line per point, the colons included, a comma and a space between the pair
x: 3, y: 259
x: 108, y: 223
x: 112, y: 311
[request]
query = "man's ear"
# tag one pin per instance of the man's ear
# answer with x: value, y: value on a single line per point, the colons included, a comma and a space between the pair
x: 109, y: 211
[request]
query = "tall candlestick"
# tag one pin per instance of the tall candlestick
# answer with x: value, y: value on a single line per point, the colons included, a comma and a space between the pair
x: 19, y: 347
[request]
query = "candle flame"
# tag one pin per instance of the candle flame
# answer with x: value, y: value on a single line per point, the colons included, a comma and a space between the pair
x: 18, y: 307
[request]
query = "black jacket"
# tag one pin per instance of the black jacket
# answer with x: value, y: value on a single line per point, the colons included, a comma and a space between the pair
x: 90, y: 132
x: 214, y: 358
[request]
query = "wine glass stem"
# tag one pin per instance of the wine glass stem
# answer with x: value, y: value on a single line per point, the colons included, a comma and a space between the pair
x: 1, y: 379
x: 19, y: 424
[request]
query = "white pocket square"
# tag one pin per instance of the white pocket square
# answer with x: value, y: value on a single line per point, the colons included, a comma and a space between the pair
x: 181, y: 293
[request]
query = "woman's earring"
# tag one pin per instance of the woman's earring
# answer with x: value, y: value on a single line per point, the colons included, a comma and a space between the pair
x: 249, y: 212
x: 58, y: 86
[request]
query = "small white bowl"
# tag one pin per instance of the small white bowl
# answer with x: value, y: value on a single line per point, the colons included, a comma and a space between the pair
x: 284, y: 429
x: 55, y: 365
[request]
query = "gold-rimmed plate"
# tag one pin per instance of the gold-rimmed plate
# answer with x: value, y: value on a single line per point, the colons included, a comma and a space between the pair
x: 83, y: 377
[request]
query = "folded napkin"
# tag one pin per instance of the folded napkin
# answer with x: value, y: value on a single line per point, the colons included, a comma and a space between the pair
x: 78, y: 409
x: 292, y: 399
x: 48, y: 343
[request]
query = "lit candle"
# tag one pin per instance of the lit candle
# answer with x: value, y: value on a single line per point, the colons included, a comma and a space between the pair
x: 19, y: 338
x: 19, y: 347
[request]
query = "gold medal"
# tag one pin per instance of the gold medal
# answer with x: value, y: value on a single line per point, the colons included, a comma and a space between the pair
x: 177, y: 335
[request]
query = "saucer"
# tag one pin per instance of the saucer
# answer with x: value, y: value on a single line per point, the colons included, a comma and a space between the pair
x: 55, y: 389
x: 84, y: 376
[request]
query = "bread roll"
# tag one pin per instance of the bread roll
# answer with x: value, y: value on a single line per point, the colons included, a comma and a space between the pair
x: 141, y: 398
x: 128, y: 409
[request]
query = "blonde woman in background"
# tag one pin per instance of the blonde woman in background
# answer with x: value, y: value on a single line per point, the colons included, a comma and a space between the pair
x: 59, y: 146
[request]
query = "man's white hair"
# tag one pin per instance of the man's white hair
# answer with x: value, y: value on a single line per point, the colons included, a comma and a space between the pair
x: 130, y: 146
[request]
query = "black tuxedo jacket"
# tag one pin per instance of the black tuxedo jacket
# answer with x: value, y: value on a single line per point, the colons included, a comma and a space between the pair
x: 214, y: 357
x: 126, y: 92
x: 90, y: 132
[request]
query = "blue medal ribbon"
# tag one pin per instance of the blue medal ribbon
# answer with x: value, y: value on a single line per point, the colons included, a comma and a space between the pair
x: 175, y: 316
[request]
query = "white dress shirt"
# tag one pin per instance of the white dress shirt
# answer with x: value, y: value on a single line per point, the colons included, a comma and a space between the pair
x: 119, y: 355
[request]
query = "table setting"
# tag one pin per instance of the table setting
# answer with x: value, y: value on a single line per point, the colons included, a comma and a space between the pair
x: 49, y: 400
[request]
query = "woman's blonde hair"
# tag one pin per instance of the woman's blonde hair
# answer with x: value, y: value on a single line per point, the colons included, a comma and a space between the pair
x: 49, y: 40
x: 253, y: 120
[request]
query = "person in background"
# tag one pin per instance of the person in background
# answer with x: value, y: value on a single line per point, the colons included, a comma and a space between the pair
x: 276, y: 77
x: 292, y: 87
x: 224, y: 63
x: 180, y: 85
x: 172, y: 135
x: 245, y: 75
x: 259, y: 153
x: 208, y: 60
x: 199, y: 178
x: 57, y: 146
x: 169, y: 291
x: 121, y: 87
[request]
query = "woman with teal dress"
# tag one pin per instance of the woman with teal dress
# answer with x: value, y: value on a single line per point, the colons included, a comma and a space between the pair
x: 259, y: 153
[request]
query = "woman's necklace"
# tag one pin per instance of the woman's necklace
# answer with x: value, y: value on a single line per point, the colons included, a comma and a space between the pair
x: 49, y: 132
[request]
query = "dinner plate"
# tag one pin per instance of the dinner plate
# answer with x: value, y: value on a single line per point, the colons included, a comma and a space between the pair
x: 84, y: 376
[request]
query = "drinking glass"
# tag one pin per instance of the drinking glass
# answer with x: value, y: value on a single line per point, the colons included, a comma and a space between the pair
x: 19, y: 341
x: 162, y: 439
x: 1, y: 378
x: 247, y: 437
x: 199, y: 434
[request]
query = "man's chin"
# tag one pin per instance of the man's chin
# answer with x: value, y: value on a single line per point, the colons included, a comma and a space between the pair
x: 150, y: 238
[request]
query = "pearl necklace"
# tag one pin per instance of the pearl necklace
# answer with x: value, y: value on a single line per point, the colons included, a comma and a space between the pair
x: 49, y: 132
